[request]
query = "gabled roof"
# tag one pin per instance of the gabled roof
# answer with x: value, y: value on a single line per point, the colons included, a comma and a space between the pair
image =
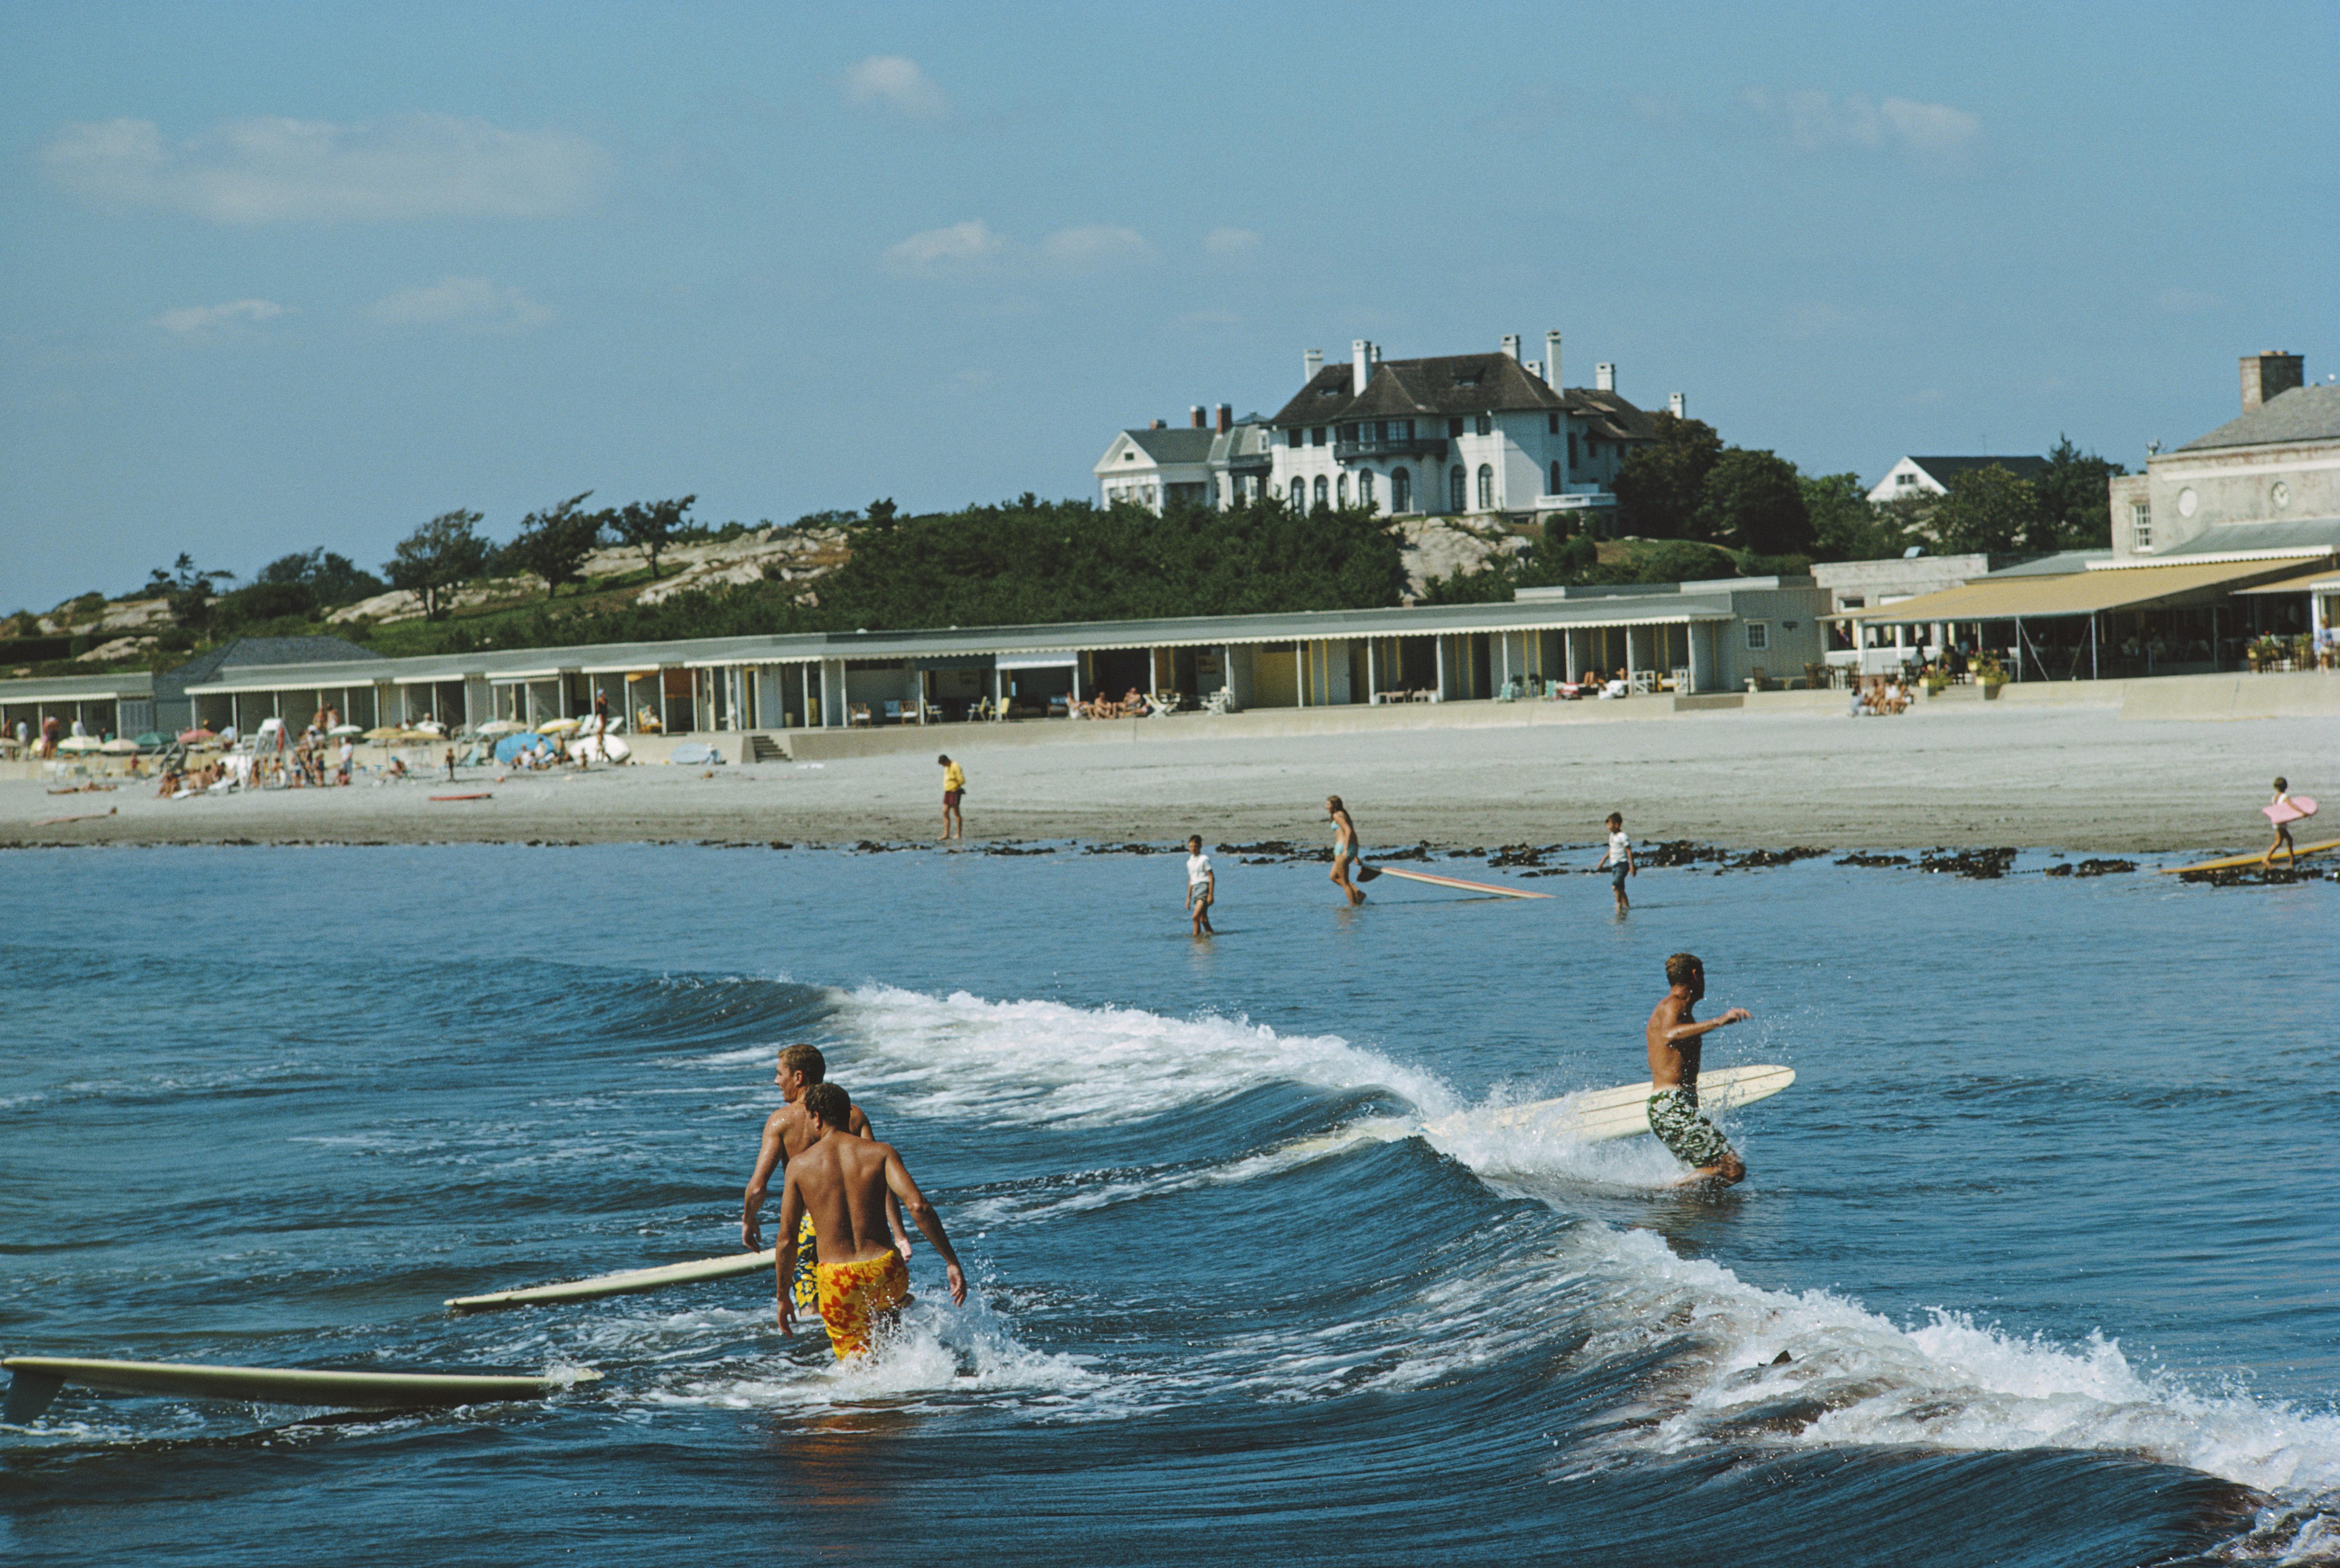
x: 1450, y: 384
x: 1942, y: 468
x: 1607, y: 414
x: 2303, y: 413
x: 1183, y: 444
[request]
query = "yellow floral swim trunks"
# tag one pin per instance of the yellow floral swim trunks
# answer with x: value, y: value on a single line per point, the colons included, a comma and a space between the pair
x: 801, y: 1286
x: 854, y: 1295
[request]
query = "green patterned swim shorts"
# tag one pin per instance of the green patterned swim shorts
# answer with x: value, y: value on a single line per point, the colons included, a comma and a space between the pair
x: 1694, y: 1140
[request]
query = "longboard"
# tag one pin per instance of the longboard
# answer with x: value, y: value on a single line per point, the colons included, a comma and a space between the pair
x: 482, y: 795
x: 38, y: 1378
x: 736, y: 1264
x: 2236, y: 862
x: 1438, y: 881
x: 1597, y: 1116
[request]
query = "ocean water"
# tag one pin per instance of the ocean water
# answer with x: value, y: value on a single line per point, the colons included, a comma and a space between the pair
x: 2046, y: 1230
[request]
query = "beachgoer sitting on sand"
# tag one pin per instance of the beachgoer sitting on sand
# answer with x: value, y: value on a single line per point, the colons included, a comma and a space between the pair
x: 1134, y: 703
x: 397, y: 768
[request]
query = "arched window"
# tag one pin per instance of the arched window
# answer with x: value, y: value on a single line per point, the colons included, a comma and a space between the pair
x: 1365, y: 491
x: 1341, y: 488
x: 1486, y: 488
x: 1300, y: 495
x: 1454, y: 497
x: 1401, y: 491
x: 1555, y: 477
x: 1320, y: 490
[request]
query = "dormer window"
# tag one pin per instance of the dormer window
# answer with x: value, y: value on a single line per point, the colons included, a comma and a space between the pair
x: 1486, y: 424
x: 1455, y: 431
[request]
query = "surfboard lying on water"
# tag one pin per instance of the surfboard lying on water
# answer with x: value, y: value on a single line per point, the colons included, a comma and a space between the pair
x: 2237, y: 862
x: 36, y: 1380
x: 738, y: 1263
x: 1597, y: 1116
x: 1438, y: 881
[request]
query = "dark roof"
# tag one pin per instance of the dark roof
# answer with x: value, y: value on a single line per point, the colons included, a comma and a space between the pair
x: 1455, y: 385
x: 2303, y: 413
x: 2287, y: 533
x: 245, y: 650
x: 1942, y: 468
x: 1183, y: 444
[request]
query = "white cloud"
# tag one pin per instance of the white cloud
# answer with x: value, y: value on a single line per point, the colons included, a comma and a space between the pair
x: 1094, y: 245
x: 1231, y: 242
x: 474, y: 303
x: 1813, y: 120
x: 937, y: 250
x: 197, y: 320
x: 272, y: 170
x: 896, y: 83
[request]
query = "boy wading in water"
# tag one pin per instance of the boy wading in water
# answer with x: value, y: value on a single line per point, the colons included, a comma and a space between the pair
x: 843, y: 1184
x: 1674, y: 1044
x: 1345, y: 848
x: 953, y: 786
x: 1620, y: 860
x: 1201, y: 885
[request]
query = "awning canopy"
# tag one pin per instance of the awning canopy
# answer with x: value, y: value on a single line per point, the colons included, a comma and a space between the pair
x: 2324, y: 579
x: 2076, y: 593
x: 1052, y: 660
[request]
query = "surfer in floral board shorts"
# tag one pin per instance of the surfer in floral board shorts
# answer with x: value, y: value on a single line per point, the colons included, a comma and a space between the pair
x: 787, y: 1133
x: 842, y: 1183
x: 1674, y: 1042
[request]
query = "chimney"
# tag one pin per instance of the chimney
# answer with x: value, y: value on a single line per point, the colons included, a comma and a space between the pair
x: 1534, y: 369
x: 1161, y: 424
x: 1312, y: 364
x: 1226, y: 417
x: 1680, y: 404
x: 1195, y: 412
x: 1360, y: 366
x: 1552, y: 360
x: 1604, y: 377
x: 1511, y: 345
x: 2269, y: 375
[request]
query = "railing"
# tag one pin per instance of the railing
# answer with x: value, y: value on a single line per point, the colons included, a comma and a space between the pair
x: 1413, y: 446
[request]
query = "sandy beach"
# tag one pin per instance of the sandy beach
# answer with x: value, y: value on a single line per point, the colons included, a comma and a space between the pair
x: 2073, y: 779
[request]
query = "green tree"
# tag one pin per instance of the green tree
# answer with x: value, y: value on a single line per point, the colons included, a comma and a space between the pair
x: 651, y: 526
x: 443, y: 553
x: 332, y: 578
x: 553, y: 543
x: 2073, y: 494
x: 1754, y: 501
x: 186, y: 588
x: 1658, y: 485
x: 1848, y: 526
x: 1990, y: 509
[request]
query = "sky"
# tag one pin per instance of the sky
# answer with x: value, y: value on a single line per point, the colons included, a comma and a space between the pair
x: 273, y: 277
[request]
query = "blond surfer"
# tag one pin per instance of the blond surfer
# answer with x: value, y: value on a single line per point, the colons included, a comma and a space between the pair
x: 787, y: 1133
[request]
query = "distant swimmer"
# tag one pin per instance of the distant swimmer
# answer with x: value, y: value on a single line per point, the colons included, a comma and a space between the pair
x: 1673, y: 1038
x: 2282, y: 812
x: 844, y: 1184
x: 787, y: 1133
x: 1346, y: 849
x: 1201, y: 885
x: 954, y: 790
x: 1618, y: 860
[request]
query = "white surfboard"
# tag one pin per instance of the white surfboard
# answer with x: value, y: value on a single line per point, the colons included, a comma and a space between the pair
x: 1597, y: 1116
x: 37, y: 1379
x: 726, y: 1267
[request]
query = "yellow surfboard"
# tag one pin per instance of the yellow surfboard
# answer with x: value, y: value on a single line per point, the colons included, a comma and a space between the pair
x: 2237, y: 862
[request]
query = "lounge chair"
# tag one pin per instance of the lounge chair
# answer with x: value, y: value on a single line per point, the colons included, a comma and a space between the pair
x: 1060, y: 707
x: 893, y: 712
x: 857, y: 717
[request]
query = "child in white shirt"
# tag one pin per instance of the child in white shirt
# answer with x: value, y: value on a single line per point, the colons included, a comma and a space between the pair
x: 1202, y: 885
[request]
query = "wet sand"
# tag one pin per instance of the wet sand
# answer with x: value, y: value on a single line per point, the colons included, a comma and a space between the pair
x: 2081, y: 779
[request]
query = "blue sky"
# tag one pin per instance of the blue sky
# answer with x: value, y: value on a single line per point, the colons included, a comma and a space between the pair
x: 272, y: 277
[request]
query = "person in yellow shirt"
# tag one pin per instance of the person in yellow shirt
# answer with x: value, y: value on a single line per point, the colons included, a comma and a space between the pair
x: 953, y: 786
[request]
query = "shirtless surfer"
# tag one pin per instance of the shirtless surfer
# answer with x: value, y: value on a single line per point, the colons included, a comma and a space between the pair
x: 787, y: 1133
x: 1674, y: 1045
x: 1345, y: 848
x: 843, y: 1184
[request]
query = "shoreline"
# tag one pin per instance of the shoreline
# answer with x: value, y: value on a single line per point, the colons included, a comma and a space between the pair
x: 2077, y: 780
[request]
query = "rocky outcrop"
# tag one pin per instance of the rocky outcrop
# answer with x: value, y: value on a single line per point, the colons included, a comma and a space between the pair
x: 1450, y: 546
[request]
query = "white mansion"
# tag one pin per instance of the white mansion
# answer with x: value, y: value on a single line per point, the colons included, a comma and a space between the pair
x: 1460, y: 434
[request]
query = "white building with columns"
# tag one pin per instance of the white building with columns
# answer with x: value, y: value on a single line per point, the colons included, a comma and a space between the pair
x: 1459, y: 434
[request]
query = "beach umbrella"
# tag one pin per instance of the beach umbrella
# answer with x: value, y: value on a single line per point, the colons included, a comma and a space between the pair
x: 197, y: 734
x: 345, y: 729
x: 150, y: 739
x: 118, y: 748
x: 78, y: 743
x: 385, y: 732
x: 555, y: 727
x: 495, y: 727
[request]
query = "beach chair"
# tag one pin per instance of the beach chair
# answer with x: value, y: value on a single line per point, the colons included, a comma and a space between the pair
x: 1644, y: 683
x: 1060, y: 707
x: 857, y: 717
x: 893, y: 712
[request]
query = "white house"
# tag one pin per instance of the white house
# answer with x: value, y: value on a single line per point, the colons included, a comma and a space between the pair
x: 1153, y: 468
x: 1457, y: 434
x: 1915, y: 476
